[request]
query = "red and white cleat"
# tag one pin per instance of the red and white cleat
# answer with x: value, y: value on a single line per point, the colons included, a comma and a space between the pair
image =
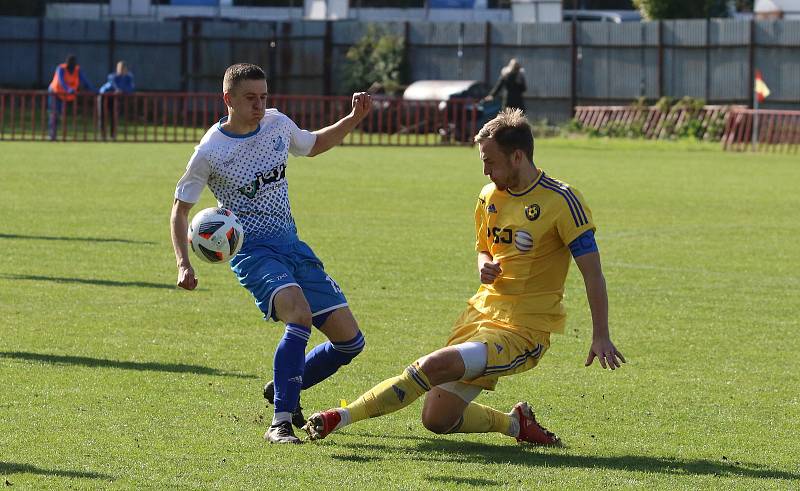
x: 530, y: 430
x: 322, y: 424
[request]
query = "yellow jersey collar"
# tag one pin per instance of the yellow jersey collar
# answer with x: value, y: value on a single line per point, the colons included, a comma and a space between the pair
x: 530, y: 188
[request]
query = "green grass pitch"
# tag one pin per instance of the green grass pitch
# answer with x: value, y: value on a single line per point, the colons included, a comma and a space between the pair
x: 112, y: 377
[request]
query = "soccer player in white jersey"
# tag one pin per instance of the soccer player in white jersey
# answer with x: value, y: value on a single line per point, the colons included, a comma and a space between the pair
x: 242, y: 159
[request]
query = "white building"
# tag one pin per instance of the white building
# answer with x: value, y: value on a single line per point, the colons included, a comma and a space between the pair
x: 521, y: 11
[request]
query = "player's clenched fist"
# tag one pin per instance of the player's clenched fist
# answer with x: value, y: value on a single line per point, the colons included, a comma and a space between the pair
x: 362, y: 103
x: 490, y: 271
x: 186, y: 278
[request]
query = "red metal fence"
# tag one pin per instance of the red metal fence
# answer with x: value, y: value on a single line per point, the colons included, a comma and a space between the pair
x: 765, y: 130
x: 737, y: 127
x: 185, y: 117
x: 707, y: 123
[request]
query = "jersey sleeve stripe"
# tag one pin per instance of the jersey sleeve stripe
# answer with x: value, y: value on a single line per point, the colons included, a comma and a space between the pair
x: 572, y: 198
x: 578, y: 203
x: 566, y: 198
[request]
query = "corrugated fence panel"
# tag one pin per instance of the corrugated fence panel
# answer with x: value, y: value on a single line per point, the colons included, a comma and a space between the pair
x: 685, y: 65
x: 729, y: 33
x: 20, y: 66
x: 616, y: 61
x: 435, y: 34
x: 780, y: 62
x: 685, y: 32
x: 150, y: 75
x: 528, y: 35
x: 684, y: 72
x: 71, y: 36
x: 786, y: 32
x: 781, y: 74
x: 729, y: 74
x: 443, y: 63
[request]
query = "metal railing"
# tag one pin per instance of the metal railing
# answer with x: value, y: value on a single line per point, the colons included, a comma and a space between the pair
x: 764, y: 130
x: 707, y: 123
x: 185, y: 117
x: 737, y: 127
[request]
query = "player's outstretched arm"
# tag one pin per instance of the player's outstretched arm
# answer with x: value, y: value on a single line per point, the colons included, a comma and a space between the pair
x: 179, y: 226
x: 333, y: 135
x: 602, y: 348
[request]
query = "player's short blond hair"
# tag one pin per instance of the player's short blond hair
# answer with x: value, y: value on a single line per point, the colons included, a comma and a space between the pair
x: 511, y: 130
x: 241, y: 71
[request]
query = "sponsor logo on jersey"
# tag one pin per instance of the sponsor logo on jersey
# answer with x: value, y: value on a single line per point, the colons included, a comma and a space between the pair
x: 492, y: 208
x: 261, y: 179
x: 523, y: 241
x: 532, y: 212
x: 498, y: 347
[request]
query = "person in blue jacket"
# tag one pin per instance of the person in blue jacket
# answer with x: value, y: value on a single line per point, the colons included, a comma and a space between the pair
x: 119, y: 84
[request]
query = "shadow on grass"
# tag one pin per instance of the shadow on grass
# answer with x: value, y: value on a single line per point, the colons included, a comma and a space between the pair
x: 464, y: 481
x: 88, y: 281
x: 356, y: 458
x: 75, y: 239
x: 14, y: 468
x: 124, y: 365
x: 439, y: 450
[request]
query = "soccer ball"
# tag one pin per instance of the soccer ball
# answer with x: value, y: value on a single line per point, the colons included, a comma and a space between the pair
x: 215, y: 234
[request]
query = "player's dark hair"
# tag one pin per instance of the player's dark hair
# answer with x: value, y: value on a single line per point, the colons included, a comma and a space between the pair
x: 71, y: 61
x: 510, y: 130
x: 241, y: 71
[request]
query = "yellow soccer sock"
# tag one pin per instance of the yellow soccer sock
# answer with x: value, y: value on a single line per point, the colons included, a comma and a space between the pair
x: 390, y: 395
x: 483, y: 419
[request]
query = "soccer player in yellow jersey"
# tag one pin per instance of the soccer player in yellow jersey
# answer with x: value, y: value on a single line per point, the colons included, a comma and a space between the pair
x: 527, y: 224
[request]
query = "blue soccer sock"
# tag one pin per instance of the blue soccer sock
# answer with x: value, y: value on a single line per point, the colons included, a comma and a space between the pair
x: 288, y: 370
x: 326, y: 358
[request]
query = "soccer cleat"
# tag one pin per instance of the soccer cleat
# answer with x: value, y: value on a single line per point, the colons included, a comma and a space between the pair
x: 298, y: 420
x: 281, y: 433
x: 322, y: 424
x: 530, y: 430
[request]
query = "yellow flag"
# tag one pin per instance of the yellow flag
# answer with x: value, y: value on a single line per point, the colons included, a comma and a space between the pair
x: 761, y: 89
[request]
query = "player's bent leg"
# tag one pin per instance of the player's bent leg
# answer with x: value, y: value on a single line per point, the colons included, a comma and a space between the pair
x: 292, y: 308
x: 345, y: 343
x: 444, y: 365
x: 443, y: 410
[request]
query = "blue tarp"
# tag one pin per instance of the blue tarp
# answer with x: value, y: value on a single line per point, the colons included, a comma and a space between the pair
x: 204, y: 3
x: 451, y: 4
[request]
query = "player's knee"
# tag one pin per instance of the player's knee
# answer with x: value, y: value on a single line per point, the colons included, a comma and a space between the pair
x: 299, y: 316
x: 297, y: 313
x: 439, y: 423
x: 291, y: 307
x: 348, y: 350
x: 438, y: 368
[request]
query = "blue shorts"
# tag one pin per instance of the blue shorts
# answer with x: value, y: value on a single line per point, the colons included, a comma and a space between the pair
x: 265, y: 269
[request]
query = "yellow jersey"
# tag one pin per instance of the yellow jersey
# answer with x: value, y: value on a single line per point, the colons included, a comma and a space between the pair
x: 529, y: 234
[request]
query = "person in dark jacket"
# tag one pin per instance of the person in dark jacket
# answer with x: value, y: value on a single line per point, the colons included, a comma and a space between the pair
x: 512, y: 85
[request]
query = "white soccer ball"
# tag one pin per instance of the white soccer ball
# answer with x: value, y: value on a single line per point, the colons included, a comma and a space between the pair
x: 215, y: 234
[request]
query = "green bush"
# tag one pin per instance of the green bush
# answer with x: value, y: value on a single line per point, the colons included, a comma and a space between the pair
x: 377, y: 58
x: 681, y: 9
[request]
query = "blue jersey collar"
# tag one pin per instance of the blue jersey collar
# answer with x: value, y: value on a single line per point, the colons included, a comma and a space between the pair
x: 236, y: 135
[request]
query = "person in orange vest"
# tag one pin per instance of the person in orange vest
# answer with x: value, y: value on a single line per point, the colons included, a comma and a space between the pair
x: 63, y: 88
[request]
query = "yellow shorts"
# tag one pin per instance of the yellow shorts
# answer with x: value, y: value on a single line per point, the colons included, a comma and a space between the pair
x: 508, y: 352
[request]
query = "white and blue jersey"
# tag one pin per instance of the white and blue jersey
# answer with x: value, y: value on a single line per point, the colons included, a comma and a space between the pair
x: 247, y: 175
